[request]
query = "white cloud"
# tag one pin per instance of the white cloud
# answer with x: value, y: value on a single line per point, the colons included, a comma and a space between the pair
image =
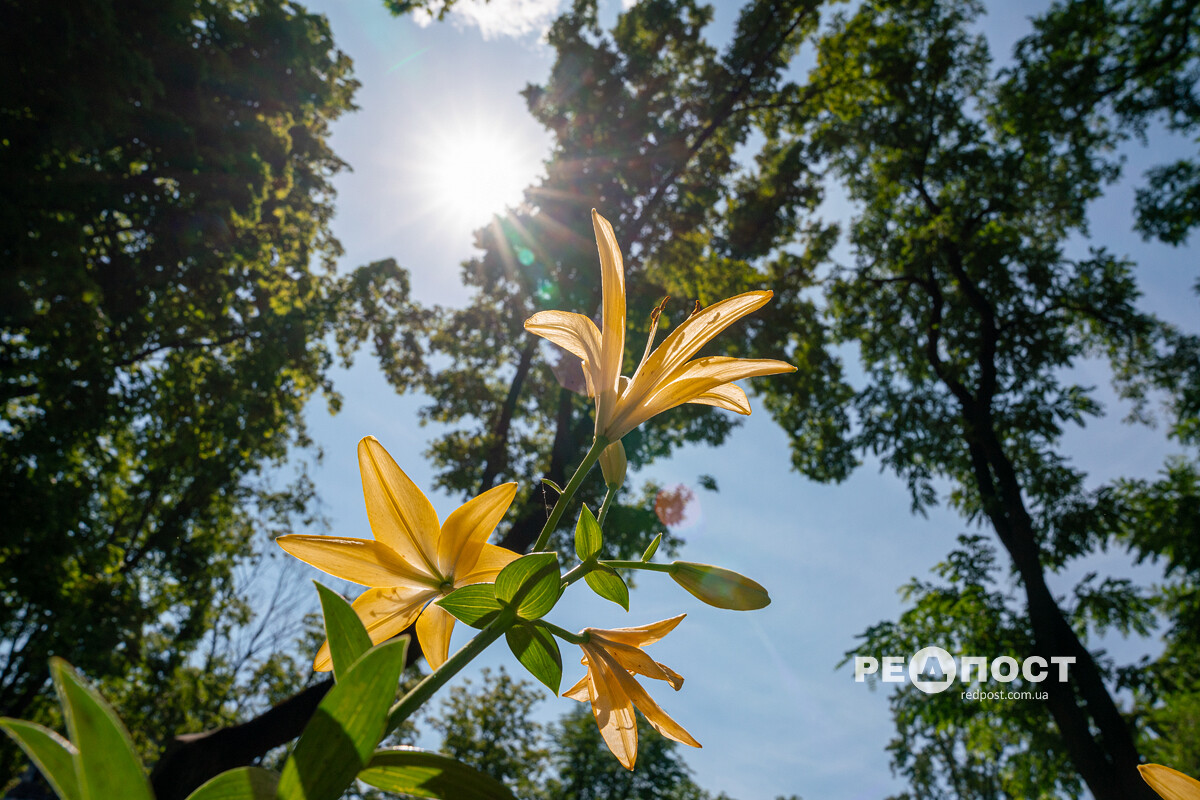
x: 512, y: 18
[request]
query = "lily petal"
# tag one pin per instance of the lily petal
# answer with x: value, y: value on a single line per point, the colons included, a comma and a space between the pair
x: 467, y: 529
x: 641, y: 636
x: 1169, y: 783
x: 384, y: 613
x: 695, y: 379
x: 727, y: 396
x: 659, y: 719
x: 581, y: 691
x: 362, y: 561
x: 400, y: 514
x: 612, y: 320
x: 692, y: 334
x: 633, y: 659
x: 612, y: 709
x: 575, y: 333
x: 492, y: 559
x: 433, y: 632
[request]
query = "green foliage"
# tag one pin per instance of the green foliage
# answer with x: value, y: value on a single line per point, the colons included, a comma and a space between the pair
x: 646, y: 118
x: 476, y: 604
x: 605, y: 582
x: 532, y: 583
x: 342, y: 735
x: 946, y: 746
x: 586, y: 770
x: 348, y: 639
x: 242, y: 783
x: 1106, y: 70
x: 53, y: 755
x: 105, y: 762
x: 420, y: 773
x: 167, y: 299
x: 588, y: 538
x: 537, y: 650
x: 491, y: 730
x: 967, y: 313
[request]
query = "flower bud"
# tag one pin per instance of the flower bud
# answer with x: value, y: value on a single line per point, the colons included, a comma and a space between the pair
x: 613, y: 464
x: 720, y: 587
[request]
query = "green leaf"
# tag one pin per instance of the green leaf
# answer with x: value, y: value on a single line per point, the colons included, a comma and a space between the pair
x: 53, y: 755
x: 243, y: 783
x: 105, y: 762
x: 587, y: 536
x: 652, y: 549
x: 348, y: 639
x: 347, y: 726
x: 608, y: 584
x: 421, y: 773
x: 552, y: 485
x: 536, y: 649
x: 535, y: 580
x: 476, y: 604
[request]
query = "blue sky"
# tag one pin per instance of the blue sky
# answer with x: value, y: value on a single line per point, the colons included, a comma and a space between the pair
x: 762, y: 691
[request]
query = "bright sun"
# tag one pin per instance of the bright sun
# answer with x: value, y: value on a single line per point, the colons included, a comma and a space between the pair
x: 470, y: 173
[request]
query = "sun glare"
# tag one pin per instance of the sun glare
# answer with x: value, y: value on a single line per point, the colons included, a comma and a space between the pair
x: 471, y: 173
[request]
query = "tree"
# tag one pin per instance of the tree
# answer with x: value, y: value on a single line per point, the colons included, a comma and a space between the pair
x: 166, y: 302
x: 490, y: 730
x: 586, y: 770
x: 645, y: 120
x: 966, y: 312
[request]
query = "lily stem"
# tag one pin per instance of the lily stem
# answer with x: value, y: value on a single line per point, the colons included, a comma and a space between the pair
x: 637, y: 565
x: 565, y: 635
x: 424, y: 690
x: 608, y: 498
x: 564, y: 499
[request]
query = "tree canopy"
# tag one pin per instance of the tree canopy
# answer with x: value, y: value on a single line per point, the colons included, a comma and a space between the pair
x: 168, y: 304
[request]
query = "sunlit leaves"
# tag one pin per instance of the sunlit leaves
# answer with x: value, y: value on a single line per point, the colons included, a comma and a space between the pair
x: 476, y: 604
x: 347, y: 726
x: 588, y: 537
x: 537, y: 650
x: 605, y: 582
x: 105, y: 763
x: 420, y: 773
x: 53, y: 755
x: 532, y: 582
x: 242, y: 783
x: 348, y: 639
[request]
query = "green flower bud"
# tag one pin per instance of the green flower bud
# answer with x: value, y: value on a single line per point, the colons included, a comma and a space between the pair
x: 720, y: 587
x: 613, y: 465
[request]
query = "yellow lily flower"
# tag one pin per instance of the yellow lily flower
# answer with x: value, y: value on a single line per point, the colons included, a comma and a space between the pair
x: 666, y: 377
x: 612, y: 658
x: 1169, y: 783
x: 412, y: 560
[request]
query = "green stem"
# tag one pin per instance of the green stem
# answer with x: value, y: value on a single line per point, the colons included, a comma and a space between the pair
x: 637, y: 565
x: 565, y: 635
x: 437, y: 679
x: 608, y: 498
x: 589, y: 460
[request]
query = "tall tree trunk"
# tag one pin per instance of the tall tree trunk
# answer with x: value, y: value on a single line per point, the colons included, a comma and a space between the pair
x: 1107, y: 758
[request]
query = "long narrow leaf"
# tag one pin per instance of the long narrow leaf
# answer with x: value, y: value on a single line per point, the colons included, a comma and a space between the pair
x: 53, y: 755
x: 243, y: 783
x: 346, y: 727
x: 348, y: 639
x: 421, y: 773
x: 105, y: 763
